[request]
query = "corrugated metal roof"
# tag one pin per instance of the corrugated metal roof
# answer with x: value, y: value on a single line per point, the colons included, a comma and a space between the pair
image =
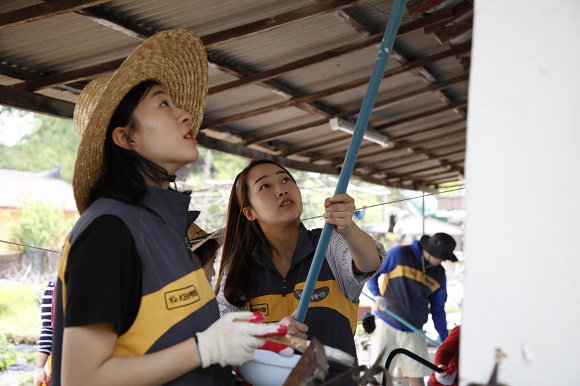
x: 279, y: 70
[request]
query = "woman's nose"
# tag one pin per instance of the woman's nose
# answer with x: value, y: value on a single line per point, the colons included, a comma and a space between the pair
x: 282, y: 194
x: 185, y: 117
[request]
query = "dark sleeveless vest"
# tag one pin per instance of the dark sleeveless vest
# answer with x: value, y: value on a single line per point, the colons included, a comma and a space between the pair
x: 177, y: 299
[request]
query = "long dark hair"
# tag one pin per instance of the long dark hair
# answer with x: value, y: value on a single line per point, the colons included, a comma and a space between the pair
x: 125, y: 170
x: 241, y: 237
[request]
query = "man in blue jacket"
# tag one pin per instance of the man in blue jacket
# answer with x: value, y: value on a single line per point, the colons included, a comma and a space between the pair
x: 413, y: 285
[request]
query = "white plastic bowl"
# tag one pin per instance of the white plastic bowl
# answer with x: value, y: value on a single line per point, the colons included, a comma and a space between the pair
x: 268, y: 368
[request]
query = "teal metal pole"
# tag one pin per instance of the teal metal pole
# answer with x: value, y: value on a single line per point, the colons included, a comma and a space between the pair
x: 407, y: 324
x: 353, y: 148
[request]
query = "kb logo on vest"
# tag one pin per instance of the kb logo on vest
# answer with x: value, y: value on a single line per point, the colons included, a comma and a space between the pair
x: 318, y: 294
x: 181, y: 297
x: 263, y: 308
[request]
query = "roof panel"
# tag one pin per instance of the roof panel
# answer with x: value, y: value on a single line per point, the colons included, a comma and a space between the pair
x: 273, y: 86
x: 48, y: 46
x: 202, y: 17
x: 290, y: 42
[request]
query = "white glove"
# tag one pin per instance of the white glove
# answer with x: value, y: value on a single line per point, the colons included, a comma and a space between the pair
x: 444, y: 378
x: 229, y: 343
x: 380, y: 303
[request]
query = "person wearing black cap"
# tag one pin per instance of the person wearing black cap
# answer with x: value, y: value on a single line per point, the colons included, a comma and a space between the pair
x: 413, y: 285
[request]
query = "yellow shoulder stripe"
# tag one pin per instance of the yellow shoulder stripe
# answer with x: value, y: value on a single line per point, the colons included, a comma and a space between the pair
x: 161, y: 310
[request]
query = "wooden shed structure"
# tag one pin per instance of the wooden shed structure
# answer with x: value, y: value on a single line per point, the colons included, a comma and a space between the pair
x: 280, y: 71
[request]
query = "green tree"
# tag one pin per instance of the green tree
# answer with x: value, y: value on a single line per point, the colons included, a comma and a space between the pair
x: 51, y: 143
x: 40, y: 226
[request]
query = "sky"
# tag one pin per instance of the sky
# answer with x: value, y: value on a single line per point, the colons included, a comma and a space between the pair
x: 12, y: 128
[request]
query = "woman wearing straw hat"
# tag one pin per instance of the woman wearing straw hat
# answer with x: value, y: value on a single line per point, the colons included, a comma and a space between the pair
x: 132, y: 306
x: 267, y: 255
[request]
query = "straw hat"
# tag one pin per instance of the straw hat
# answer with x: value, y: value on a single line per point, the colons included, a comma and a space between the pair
x: 176, y: 59
x: 197, y: 236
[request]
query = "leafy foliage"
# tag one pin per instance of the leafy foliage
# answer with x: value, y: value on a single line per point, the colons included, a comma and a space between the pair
x: 41, y: 226
x: 51, y: 143
x: 7, y: 355
x: 19, y: 312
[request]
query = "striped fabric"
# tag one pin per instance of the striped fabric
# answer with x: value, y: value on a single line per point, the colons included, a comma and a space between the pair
x: 44, y: 343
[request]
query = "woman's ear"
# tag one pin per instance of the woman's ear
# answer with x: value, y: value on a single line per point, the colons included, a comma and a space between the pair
x: 247, y: 211
x: 121, y: 138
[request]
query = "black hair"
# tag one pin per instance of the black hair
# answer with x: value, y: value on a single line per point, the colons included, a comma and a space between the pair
x: 207, y: 251
x: 124, y: 170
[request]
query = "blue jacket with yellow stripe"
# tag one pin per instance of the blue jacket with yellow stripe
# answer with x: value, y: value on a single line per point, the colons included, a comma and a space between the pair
x: 412, y: 288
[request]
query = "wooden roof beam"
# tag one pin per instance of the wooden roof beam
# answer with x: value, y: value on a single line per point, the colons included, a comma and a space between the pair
x: 457, y: 11
x: 423, y: 114
x: 393, y: 123
x: 435, y: 180
x: 405, y: 120
x: 43, y: 11
x: 25, y: 100
x: 414, y: 148
x: 347, y: 137
x: 398, y: 54
x: 424, y: 156
x: 414, y: 156
x: 16, y: 72
x: 422, y: 130
x: 244, y: 151
x: 351, y: 22
x: 266, y: 24
x: 342, y: 152
x: 447, y: 180
x: 112, y: 21
x: 374, y: 39
x: 108, y: 19
x: 429, y: 155
x: 420, y: 7
x: 456, y: 50
x: 296, y: 65
x: 445, y: 34
x: 344, y: 114
x: 295, y: 129
x: 63, y: 78
x: 434, y: 171
x: 453, y: 134
x: 21, y: 74
x: 419, y: 171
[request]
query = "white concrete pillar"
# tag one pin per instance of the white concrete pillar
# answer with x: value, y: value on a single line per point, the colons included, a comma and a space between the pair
x: 522, y: 281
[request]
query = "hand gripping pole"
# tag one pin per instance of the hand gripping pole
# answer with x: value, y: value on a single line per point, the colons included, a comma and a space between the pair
x: 353, y: 148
